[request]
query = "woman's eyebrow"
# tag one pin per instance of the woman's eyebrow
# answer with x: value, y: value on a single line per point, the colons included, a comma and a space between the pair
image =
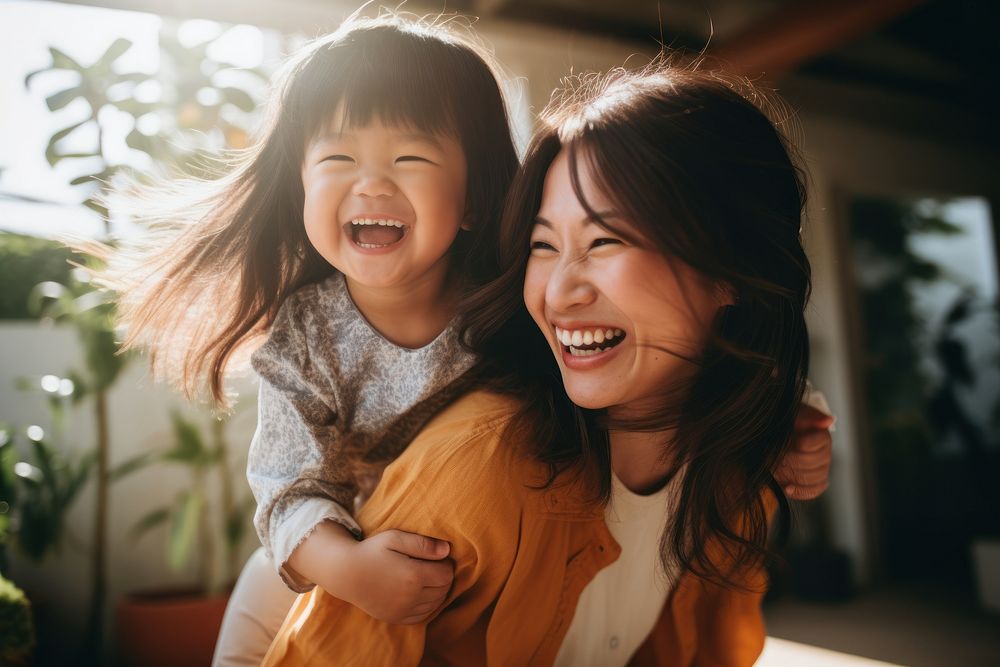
x: 597, y: 219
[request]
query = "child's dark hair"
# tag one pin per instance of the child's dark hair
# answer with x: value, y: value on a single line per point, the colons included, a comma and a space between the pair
x: 689, y: 158
x: 223, y: 261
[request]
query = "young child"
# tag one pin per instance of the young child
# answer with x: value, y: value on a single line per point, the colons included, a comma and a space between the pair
x: 347, y: 235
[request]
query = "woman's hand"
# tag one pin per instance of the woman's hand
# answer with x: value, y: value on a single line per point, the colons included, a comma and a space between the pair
x: 804, y: 473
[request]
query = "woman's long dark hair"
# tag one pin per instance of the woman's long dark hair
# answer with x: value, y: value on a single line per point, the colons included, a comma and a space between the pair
x: 707, y: 179
x: 225, y: 254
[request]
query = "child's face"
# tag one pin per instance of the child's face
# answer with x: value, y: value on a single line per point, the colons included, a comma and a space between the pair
x: 383, y: 204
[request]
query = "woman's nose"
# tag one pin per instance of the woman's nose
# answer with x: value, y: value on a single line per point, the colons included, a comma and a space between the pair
x: 569, y: 287
x: 374, y: 183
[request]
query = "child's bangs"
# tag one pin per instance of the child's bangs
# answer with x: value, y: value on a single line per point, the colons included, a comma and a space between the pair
x: 362, y: 83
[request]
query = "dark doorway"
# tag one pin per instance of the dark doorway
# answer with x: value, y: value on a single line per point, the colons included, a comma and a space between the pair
x: 926, y: 274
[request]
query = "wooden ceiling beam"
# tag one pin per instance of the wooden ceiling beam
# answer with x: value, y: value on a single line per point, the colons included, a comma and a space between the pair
x: 791, y: 35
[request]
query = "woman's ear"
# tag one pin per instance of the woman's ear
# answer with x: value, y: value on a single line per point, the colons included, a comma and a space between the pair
x: 466, y: 223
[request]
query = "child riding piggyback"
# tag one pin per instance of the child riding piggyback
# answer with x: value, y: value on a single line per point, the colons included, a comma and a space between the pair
x: 345, y: 239
x: 347, y: 235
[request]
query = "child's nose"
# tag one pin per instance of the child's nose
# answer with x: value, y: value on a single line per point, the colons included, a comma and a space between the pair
x: 374, y: 184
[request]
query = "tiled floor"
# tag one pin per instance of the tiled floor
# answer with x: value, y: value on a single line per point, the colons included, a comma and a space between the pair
x: 918, y: 627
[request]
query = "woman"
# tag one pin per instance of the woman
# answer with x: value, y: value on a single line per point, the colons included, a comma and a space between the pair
x: 655, y: 227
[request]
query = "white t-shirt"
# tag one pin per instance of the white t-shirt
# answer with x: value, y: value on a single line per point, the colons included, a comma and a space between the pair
x: 620, y: 606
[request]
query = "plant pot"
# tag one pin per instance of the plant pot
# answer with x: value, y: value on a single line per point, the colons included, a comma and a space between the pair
x: 169, y: 628
x: 986, y: 560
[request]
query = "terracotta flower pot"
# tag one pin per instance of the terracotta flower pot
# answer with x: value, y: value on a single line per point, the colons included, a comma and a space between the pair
x: 169, y: 628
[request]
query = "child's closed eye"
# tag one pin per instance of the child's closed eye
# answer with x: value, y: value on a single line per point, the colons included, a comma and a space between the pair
x: 337, y: 158
x: 412, y: 158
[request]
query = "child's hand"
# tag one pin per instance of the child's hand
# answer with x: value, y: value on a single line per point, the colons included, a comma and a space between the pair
x: 805, y: 471
x: 399, y: 577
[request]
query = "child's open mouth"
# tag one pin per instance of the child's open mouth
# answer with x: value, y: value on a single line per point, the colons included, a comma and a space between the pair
x: 375, y: 233
x: 590, y: 341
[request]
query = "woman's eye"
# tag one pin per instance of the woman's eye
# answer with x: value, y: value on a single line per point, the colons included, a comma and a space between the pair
x: 338, y: 158
x: 541, y: 245
x: 604, y: 241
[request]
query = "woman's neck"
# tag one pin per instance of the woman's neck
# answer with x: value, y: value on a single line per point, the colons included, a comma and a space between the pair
x: 640, y: 460
x: 411, y: 315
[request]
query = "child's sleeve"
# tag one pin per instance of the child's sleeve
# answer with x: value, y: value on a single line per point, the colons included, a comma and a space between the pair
x: 294, y: 469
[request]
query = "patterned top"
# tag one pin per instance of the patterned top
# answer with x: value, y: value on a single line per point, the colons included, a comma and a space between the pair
x: 331, y: 385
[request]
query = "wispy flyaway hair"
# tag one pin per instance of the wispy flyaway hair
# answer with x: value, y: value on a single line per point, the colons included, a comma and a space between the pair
x: 222, y: 255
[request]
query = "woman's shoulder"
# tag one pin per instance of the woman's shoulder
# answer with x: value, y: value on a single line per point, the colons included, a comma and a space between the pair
x: 470, y: 442
x: 474, y: 425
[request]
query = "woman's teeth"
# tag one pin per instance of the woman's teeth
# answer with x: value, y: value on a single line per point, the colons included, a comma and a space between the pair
x: 588, y: 342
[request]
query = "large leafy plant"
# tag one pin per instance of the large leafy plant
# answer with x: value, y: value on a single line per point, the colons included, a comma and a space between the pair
x: 91, y: 313
x: 193, y: 106
x: 189, y: 109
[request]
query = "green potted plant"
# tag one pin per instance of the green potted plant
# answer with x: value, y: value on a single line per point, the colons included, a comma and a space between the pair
x: 36, y: 493
x: 180, y: 626
x: 192, y: 122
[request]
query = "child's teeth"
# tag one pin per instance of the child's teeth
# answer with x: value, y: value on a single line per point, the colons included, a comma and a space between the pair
x: 383, y: 222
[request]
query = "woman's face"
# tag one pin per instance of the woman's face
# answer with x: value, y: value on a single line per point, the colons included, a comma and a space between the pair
x: 619, y: 316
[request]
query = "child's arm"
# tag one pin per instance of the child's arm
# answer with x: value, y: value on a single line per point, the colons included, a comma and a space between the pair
x: 394, y: 576
x: 294, y: 467
x: 301, y: 479
x: 804, y: 472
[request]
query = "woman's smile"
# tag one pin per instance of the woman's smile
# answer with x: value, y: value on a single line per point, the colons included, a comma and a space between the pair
x: 588, y: 346
x: 623, y: 320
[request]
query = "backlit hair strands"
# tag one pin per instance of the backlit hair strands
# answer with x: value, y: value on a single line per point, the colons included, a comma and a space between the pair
x: 223, y: 255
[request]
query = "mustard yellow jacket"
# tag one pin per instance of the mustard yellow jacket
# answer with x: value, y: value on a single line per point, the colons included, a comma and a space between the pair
x: 522, y: 557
